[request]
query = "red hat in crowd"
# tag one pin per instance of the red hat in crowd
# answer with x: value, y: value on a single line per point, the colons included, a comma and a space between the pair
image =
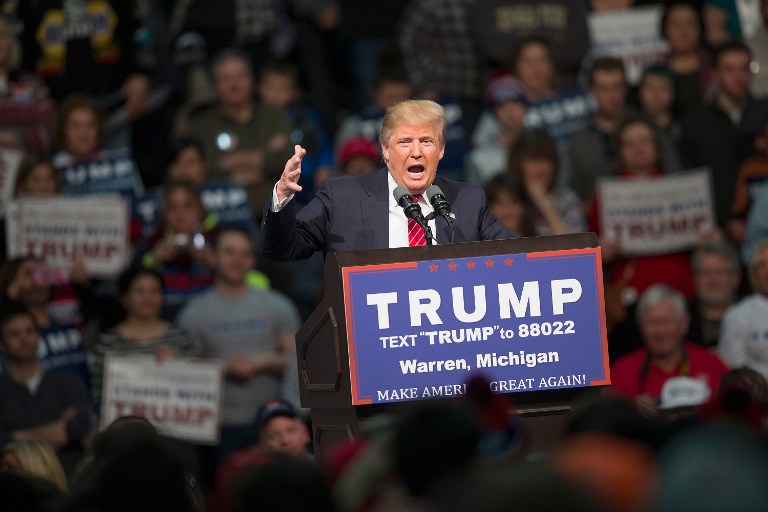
x: 359, y: 147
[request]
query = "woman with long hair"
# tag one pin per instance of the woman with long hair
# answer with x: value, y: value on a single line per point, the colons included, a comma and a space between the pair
x: 549, y: 209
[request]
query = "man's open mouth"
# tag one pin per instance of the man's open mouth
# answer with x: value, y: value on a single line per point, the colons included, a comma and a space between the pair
x: 416, y: 170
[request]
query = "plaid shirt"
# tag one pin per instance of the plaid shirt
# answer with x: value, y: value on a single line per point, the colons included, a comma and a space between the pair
x: 27, y: 110
x: 438, y: 49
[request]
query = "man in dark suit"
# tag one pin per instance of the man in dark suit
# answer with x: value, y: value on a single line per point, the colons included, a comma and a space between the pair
x: 359, y: 212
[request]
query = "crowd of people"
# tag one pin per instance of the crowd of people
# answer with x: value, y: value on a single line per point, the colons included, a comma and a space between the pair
x: 205, y: 127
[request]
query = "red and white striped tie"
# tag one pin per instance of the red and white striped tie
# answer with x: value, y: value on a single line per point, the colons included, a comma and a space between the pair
x: 415, y: 233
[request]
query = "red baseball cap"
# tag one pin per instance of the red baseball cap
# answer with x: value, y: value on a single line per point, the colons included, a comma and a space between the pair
x: 359, y: 147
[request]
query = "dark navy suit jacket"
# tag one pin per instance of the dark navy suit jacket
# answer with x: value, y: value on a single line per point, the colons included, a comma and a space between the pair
x: 351, y: 213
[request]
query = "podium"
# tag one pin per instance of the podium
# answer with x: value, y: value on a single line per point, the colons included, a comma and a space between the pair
x: 323, y: 343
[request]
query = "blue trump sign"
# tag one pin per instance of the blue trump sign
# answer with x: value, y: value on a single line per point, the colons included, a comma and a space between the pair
x: 112, y: 171
x: 527, y: 322
x: 229, y: 201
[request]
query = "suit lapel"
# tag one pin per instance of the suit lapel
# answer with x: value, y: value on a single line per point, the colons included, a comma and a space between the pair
x: 374, y: 209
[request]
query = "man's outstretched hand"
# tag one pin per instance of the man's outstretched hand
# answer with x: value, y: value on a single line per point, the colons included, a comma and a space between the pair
x: 289, y: 180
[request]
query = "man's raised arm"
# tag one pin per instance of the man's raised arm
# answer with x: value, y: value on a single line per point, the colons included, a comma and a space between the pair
x: 288, y: 184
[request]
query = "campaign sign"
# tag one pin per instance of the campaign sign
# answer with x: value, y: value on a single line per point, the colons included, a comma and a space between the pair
x: 65, y: 229
x: 229, y: 201
x: 656, y: 215
x: 113, y: 171
x: 527, y: 322
x: 565, y: 114
x: 632, y: 35
x: 181, y: 397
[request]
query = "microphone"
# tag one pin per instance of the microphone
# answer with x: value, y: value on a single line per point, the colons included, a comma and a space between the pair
x: 438, y: 201
x: 412, y: 210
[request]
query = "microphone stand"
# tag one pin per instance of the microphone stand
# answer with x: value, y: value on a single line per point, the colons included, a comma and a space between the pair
x: 433, y: 215
x: 428, y: 233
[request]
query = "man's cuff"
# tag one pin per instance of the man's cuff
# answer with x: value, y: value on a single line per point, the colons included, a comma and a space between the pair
x: 279, y: 205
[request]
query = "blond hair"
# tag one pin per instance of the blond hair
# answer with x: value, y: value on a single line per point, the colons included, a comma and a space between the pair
x: 413, y: 112
x: 38, y: 459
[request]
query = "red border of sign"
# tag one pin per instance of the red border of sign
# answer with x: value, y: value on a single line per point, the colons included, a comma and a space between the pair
x: 351, y: 339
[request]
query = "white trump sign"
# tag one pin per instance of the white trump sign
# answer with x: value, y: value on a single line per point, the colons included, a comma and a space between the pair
x: 63, y: 230
x: 181, y: 397
x: 632, y: 35
x: 656, y: 215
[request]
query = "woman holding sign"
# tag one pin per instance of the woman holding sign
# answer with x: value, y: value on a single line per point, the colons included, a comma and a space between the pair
x: 142, y: 331
x: 627, y: 275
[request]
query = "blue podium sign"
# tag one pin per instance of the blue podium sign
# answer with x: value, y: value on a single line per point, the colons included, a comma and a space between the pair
x: 528, y: 322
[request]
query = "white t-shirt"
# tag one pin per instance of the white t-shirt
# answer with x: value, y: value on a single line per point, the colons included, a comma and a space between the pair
x: 744, y: 334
